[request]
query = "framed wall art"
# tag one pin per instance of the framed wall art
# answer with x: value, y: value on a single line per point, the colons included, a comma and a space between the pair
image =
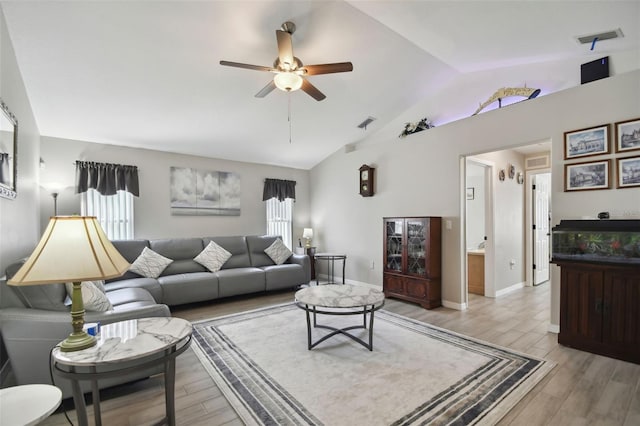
x: 586, y: 142
x: 628, y: 135
x: 197, y: 192
x: 628, y: 172
x: 587, y: 176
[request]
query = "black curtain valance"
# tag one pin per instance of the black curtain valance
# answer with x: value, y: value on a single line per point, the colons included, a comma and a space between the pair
x: 280, y: 189
x: 106, y: 178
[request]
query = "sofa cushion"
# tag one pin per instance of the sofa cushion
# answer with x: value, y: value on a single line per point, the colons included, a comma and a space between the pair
x: 182, y: 251
x: 284, y: 276
x: 129, y: 296
x: 232, y: 282
x: 237, y: 246
x: 212, y: 257
x: 278, y: 252
x: 257, y: 244
x: 149, y: 284
x: 93, y: 296
x: 150, y: 264
x: 188, y: 288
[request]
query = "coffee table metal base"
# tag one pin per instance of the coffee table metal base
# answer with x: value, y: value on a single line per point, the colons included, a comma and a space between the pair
x: 369, y: 309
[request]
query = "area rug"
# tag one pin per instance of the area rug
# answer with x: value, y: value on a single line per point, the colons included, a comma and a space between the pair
x: 416, y: 373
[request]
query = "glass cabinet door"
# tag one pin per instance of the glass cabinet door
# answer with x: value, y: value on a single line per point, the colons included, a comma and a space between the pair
x: 394, y: 233
x: 416, y: 233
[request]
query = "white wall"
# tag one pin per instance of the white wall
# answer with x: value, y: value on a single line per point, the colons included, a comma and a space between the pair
x: 153, y: 218
x: 475, y: 207
x: 19, y: 231
x: 421, y: 175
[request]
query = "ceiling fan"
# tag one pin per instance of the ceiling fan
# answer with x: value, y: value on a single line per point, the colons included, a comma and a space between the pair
x: 289, y: 70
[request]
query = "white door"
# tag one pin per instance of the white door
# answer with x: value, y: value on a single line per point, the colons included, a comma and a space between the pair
x: 541, y: 232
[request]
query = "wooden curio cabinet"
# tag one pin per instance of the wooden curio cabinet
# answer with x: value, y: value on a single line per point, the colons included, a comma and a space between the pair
x: 412, y: 259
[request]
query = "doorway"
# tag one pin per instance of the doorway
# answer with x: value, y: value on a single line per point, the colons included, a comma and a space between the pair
x: 538, y: 226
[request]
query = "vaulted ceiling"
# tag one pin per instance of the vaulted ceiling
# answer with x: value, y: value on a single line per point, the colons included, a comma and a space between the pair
x: 147, y: 74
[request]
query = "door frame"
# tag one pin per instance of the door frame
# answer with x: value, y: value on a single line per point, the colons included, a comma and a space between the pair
x: 528, y: 222
x: 489, y: 249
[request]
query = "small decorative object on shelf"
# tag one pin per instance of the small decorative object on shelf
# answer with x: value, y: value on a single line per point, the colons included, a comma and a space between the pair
x: 410, y: 128
x: 366, y: 180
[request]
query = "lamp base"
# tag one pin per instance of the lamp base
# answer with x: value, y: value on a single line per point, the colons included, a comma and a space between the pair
x: 77, y: 342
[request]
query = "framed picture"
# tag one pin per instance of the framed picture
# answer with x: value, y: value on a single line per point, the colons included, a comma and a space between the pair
x: 628, y: 135
x: 471, y: 193
x: 585, y: 176
x: 586, y: 142
x: 628, y: 172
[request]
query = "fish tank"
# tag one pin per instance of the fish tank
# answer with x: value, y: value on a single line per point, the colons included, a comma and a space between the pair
x: 597, y: 241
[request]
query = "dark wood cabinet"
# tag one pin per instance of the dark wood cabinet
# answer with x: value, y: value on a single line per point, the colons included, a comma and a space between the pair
x: 412, y: 259
x: 600, y: 309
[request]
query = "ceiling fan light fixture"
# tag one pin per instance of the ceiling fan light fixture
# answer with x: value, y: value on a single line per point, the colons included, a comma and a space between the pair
x: 288, y: 81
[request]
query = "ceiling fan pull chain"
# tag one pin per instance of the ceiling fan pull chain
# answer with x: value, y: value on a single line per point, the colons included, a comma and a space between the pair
x: 289, y: 114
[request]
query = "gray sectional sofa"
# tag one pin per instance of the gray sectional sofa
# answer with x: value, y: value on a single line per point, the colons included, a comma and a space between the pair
x: 33, y: 319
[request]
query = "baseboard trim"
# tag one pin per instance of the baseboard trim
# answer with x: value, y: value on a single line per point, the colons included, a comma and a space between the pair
x: 454, y: 305
x: 553, y: 328
x: 509, y: 289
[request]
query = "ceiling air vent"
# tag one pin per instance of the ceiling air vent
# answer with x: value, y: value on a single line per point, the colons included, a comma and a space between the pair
x: 606, y: 35
x: 366, y: 122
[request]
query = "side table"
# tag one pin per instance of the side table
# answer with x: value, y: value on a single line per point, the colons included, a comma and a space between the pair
x: 28, y: 404
x: 331, y: 258
x: 311, y: 252
x: 140, y: 343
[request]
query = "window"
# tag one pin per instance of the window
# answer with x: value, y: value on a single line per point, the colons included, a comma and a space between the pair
x: 279, y: 219
x: 114, y: 212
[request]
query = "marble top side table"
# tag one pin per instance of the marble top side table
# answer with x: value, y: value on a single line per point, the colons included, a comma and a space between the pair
x: 28, y: 404
x: 140, y: 343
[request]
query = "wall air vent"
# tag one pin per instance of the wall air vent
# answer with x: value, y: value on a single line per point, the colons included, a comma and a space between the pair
x: 366, y: 122
x: 606, y: 35
x: 538, y: 162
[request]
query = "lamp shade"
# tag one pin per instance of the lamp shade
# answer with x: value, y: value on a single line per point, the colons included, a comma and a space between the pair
x: 307, y: 233
x: 72, y: 249
x: 287, y: 81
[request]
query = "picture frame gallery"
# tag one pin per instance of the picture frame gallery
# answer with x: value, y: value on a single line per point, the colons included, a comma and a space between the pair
x: 595, y: 141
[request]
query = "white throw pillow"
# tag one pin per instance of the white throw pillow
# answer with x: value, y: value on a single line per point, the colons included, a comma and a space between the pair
x: 213, y: 257
x: 93, y: 296
x: 150, y: 264
x: 278, y: 252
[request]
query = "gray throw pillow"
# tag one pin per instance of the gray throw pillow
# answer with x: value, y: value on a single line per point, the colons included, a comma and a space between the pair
x: 213, y: 257
x: 278, y: 252
x: 93, y: 298
x: 150, y: 264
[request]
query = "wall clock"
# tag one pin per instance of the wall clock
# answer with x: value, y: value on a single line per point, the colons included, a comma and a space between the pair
x: 366, y: 180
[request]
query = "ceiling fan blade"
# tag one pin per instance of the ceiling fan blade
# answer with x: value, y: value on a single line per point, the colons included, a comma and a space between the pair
x: 266, y: 90
x: 328, y: 68
x: 285, y: 47
x: 247, y: 66
x: 312, y: 90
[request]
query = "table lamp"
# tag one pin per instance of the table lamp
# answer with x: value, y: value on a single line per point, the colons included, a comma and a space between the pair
x: 308, y: 234
x: 72, y: 249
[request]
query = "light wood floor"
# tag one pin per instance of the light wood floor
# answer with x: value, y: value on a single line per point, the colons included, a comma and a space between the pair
x: 582, y: 389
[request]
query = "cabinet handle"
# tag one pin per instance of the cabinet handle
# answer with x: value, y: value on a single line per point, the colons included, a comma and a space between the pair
x: 599, y: 305
x: 606, y: 307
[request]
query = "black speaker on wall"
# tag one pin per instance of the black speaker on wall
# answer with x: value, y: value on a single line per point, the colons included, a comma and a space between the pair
x: 594, y: 70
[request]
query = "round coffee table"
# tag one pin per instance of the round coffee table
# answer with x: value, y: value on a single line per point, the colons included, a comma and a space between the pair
x: 336, y: 299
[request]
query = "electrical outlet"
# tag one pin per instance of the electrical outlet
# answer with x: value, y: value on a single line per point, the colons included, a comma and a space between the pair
x: 372, y: 264
x: 512, y: 263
